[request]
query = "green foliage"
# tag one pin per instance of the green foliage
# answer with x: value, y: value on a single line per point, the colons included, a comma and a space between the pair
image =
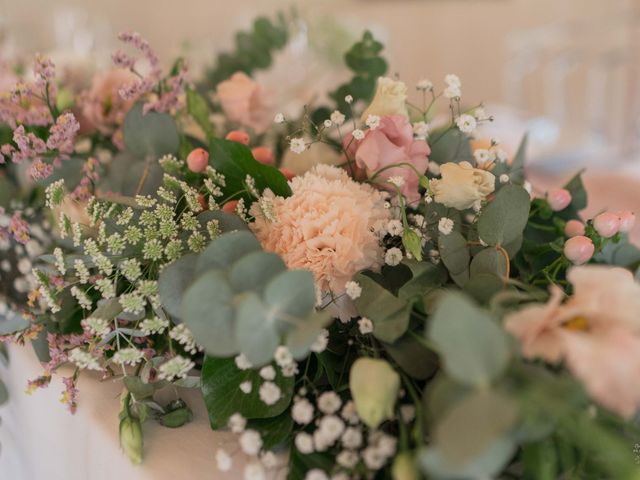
x: 221, y: 381
x: 366, y: 63
x: 450, y: 145
x: 152, y: 134
x: 236, y: 298
x: 254, y: 50
x: 515, y: 169
x: 198, y: 108
x: 474, y: 349
x: 504, y: 219
x: 235, y: 162
x: 389, y: 314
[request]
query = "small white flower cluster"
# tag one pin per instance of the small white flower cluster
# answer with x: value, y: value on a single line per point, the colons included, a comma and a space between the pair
x: 454, y: 87
x: 338, y: 426
x: 182, y: 335
x: 177, y: 367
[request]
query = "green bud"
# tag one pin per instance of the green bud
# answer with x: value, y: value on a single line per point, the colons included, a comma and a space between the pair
x: 404, y: 467
x: 374, y: 386
x: 131, y: 438
x: 412, y: 243
x: 424, y: 182
x: 178, y: 413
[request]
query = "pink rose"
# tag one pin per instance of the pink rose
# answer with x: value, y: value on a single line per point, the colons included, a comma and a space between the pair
x: 102, y: 106
x: 246, y: 102
x: 389, y: 144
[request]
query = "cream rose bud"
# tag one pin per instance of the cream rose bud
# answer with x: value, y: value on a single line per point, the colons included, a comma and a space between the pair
x: 461, y: 185
x: 390, y: 99
x: 374, y: 386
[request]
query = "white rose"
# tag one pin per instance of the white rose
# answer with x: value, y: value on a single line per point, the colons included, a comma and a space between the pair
x: 390, y: 99
x: 462, y: 185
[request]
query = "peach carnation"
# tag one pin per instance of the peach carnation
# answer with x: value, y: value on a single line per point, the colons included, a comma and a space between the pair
x: 246, y: 102
x: 330, y: 225
x: 596, y: 332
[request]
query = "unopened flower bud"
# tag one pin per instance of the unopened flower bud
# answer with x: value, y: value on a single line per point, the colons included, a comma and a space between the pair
x: 198, y: 160
x: 559, y: 199
x: 579, y: 249
x: 607, y: 224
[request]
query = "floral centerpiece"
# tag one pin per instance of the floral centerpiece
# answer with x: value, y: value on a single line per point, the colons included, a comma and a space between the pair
x: 415, y: 311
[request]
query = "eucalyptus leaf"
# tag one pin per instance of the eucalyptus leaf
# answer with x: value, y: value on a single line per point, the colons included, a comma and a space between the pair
x: 221, y: 381
x: 474, y: 349
x: 207, y: 309
x: 152, y: 134
x: 454, y: 252
x: 11, y: 323
x: 426, y: 276
x: 174, y: 280
x: 390, y: 315
x: 253, y: 271
x: 227, y: 249
x: 504, y: 218
x: 305, y: 333
x: 488, y: 260
x: 290, y: 295
x: 198, y: 108
x: 257, y: 333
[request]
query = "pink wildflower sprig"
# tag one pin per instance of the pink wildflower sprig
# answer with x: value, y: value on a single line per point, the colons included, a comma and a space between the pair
x: 166, y: 93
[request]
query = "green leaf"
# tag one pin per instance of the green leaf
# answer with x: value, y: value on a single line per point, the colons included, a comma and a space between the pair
x: 474, y: 349
x: 290, y: 295
x: 235, y: 162
x: 138, y: 388
x: 221, y: 381
x: 273, y: 431
x: 450, y: 145
x: 426, y: 277
x: 227, y: 249
x: 253, y: 271
x: 152, y: 134
x: 488, y: 260
x: 413, y: 357
x: 207, y: 309
x: 256, y: 332
x: 471, y: 440
x: 177, y: 417
x: 173, y: 282
x: 12, y: 323
x: 516, y: 173
x: 454, y: 252
x: 504, y: 219
x: 198, y: 108
x: 390, y: 315
x: 305, y: 333
x: 300, y: 463
x: 578, y: 193
x: 483, y: 286
x: 227, y: 222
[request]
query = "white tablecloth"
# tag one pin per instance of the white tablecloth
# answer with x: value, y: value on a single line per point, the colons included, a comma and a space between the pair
x: 42, y: 441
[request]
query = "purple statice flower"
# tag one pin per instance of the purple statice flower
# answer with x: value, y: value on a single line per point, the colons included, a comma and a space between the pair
x: 29, y: 146
x: 90, y: 169
x: 40, y: 382
x: 19, y: 228
x: 39, y: 170
x: 122, y: 60
x: 170, y: 99
x: 70, y: 393
x: 63, y: 133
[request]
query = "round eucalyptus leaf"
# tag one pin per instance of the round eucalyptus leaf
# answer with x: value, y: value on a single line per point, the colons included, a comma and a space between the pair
x: 504, y: 219
x: 305, y: 333
x: 257, y: 336
x: 151, y: 134
x: 490, y: 261
x: 291, y: 294
x: 226, y: 250
x: 174, y: 280
x: 254, y: 271
x: 208, y: 312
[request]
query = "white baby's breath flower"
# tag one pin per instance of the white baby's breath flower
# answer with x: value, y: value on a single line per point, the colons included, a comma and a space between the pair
x: 347, y: 459
x: 270, y: 393
x: 445, y: 226
x: 424, y: 84
x: 504, y: 178
x: 501, y: 155
x: 421, y: 129
x: 395, y: 228
x: 304, y: 443
x: 316, y: 474
x: 268, y: 372
x: 329, y: 402
x: 434, y: 169
x: 290, y: 370
x: 254, y: 471
x: 327, y: 123
x: 246, y: 387
x: 348, y: 99
x: 337, y: 117
x: 302, y: 411
x: 331, y: 428
x: 365, y: 326
x: 237, y: 423
x: 480, y: 114
x: 242, y: 362
x: 283, y: 356
x: 321, y: 342
x: 353, y: 289
x: 452, y: 80
x: 177, y: 367
x: 373, y: 121
x: 482, y: 155
x: 393, y: 256
x: 279, y: 118
x: 466, y: 123
x: 452, y: 92
x: 223, y: 460
x: 358, y: 134
x: 250, y: 442
x: 297, y: 145
x: 352, y: 438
